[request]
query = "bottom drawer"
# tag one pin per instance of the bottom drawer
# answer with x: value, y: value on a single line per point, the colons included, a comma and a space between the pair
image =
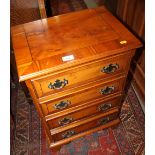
x: 91, y: 123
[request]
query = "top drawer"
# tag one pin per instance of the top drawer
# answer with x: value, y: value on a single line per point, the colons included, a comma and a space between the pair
x: 77, y: 76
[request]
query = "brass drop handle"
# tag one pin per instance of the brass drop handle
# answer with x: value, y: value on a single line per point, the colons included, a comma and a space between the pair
x: 65, y: 121
x: 104, y: 107
x: 107, y: 90
x: 62, y: 105
x: 68, y: 134
x: 103, y: 121
x: 111, y: 68
x: 58, y: 84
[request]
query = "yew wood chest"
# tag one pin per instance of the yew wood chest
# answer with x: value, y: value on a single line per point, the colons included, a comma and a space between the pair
x: 75, y: 67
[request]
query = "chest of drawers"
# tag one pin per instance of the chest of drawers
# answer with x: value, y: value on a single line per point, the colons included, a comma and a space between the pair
x: 75, y: 67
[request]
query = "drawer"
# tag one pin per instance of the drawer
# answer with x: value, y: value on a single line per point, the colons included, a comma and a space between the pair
x: 99, y: 90
x: 83, y: 111
x: 86, y: 125
x: 74, y: 77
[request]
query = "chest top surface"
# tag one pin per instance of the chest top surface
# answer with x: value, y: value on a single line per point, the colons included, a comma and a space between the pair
x: 50, y: 44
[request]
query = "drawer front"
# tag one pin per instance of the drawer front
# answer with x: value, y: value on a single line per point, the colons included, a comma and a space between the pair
x: 101, y: 90
x: 85, y: 127
x: 88, y: 110
x: 80, y: 75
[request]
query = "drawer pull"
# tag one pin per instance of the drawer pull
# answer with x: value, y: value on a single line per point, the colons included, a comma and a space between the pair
x: 104, y: 107
x: 58, y: 84
x: 65, y: 121
x: 111, y: 68
x: 103, y: 121
x: 107, y: 90
x: 62, y: 105
x: 68, y: 134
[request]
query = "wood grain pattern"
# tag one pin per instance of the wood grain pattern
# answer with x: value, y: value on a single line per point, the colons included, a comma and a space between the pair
x: 72, y: 67
x: 47, y: 39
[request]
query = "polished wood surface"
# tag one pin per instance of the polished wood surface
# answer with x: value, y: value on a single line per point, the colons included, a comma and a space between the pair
x: 72, y: 68
x: 45, y: 42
